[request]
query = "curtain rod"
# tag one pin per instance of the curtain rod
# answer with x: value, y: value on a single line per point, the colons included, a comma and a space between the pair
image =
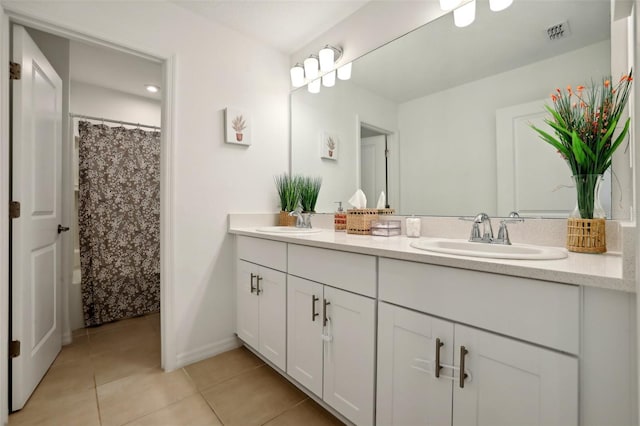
x: 112, y: 121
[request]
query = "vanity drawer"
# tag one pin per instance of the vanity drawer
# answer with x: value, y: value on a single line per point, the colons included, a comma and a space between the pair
x: 272, y: 254
x: 348, y: 271
x: 536, y: 311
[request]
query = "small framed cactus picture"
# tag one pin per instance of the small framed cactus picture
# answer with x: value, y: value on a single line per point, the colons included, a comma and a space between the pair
x: 328, y: 146
x: 237, y: 127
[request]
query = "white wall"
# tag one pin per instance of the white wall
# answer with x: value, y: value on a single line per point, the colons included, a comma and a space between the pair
x: 622, y: 160
x: 448, y: 139
x: 215, y: 67
x: 375, y: 24
x: 336, y: 112
x: 96, y: 101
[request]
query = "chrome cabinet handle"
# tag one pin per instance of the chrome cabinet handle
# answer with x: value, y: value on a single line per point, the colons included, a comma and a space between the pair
x: 439, y: 344
x: 463, y: 375
x: 258, y: 290
x: 314, y: 314
x: 252, y: 287
x: 324, y: 312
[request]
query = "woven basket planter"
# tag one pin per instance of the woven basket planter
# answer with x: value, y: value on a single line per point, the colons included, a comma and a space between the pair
x: 286, y: 220
x: 586, y: 235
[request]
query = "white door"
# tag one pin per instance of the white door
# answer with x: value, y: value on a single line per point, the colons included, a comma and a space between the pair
x: 35, y: 250
x: 533, y: 179
x: 409, y: 393
x: 304, y: 333
x: 247, y: 304
x: 271, y: 287
x: 513, y: 383
x: 349, y: 368
x: 373, y: 170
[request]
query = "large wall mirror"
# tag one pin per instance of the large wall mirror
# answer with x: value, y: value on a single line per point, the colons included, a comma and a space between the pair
x: 440, y: 117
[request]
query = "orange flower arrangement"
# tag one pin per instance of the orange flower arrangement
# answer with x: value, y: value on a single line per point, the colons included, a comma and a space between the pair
x: 584, y: 121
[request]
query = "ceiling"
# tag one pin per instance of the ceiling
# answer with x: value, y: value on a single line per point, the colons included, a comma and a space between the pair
x: 113, y: 69
x: 287, y: 25
x: 439, y: 55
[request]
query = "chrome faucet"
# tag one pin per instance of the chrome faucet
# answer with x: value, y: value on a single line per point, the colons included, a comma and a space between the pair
x: 298, y: 214
x: 487, y: 231
x: 303, y: 220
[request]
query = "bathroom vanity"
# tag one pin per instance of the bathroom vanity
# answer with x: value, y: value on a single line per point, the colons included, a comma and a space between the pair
x: 384, y: 333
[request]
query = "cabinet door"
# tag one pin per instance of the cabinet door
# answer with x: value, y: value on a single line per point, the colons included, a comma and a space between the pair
x: 513, y: 383
x: 304, y: 334
x: 247, y: 304
x: 408, y: 391
x: 272, y: 289
x: 349, y: 351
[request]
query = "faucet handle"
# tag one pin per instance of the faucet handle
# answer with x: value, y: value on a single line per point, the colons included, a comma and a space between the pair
x: 503, y: 232
x: 475, y: 232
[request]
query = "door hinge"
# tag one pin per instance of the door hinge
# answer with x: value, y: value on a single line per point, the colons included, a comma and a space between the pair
x: 15, y: 71
x: 14, y: 349
x: 386, y: 153
x: 14, y: 209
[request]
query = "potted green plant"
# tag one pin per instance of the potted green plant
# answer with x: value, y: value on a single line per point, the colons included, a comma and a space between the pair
x: 584, y: 121
x: 309, y: 190
x: 289, y: 193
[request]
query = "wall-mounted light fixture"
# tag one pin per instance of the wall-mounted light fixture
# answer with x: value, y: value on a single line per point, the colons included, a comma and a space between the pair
x: 322, y: 65
x: 498, y: 5
x: 465, y: 14
x: 297, y: 75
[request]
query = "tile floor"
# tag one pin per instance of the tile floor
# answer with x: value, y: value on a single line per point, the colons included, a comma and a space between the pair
x: 111, y: 376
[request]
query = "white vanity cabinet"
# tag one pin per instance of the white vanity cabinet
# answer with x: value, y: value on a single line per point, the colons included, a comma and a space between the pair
x: 261, y: 291
x: 365, y: 334
x: 509, y: 381
x: 331, y: 332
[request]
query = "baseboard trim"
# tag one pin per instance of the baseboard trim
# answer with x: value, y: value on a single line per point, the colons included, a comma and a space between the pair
x: 67, y: 338
x: 207, y: 351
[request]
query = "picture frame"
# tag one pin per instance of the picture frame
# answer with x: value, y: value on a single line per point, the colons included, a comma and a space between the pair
x: 237, y: 127
x: 329, y: 144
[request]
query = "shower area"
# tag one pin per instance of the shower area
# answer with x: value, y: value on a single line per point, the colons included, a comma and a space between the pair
x: 118, y: 212
x: 114, y: 123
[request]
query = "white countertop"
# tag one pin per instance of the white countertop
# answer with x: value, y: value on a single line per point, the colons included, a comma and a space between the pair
x: 593, y: 270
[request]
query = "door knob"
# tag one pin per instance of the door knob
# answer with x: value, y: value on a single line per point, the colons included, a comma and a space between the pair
x: 62, y: 229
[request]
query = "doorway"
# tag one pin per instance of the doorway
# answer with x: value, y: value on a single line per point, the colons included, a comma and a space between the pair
x: 50, y: 45
x: 374, y: 163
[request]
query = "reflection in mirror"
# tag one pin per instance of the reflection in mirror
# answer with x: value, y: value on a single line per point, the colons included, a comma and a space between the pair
x: 455, y: 105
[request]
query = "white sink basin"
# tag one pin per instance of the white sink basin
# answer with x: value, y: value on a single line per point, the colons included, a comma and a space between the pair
x: 288, y: 230
x: 496, y: 251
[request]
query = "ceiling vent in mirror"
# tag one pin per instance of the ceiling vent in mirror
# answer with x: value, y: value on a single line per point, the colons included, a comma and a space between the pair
x: 558, y: 31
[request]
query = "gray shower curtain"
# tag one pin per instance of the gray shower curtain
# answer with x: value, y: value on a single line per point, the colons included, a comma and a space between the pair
x: 119, y: 221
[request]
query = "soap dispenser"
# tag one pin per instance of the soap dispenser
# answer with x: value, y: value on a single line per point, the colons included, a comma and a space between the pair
x: 340, y: 218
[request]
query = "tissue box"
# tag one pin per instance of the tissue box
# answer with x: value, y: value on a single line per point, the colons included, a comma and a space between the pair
x: 383, y: 212
x: 359, y: 220
x: 385, y: 228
